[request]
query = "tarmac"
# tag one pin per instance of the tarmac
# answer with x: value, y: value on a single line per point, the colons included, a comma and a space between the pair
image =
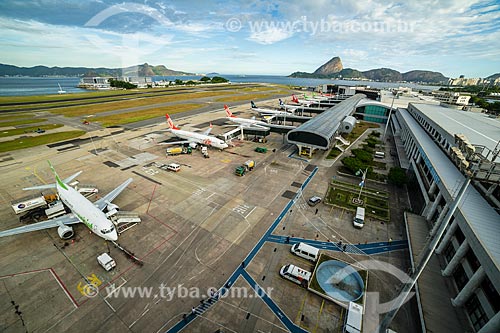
x: 203, y: 230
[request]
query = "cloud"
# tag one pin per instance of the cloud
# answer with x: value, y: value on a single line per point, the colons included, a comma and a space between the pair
x: 270, y: 35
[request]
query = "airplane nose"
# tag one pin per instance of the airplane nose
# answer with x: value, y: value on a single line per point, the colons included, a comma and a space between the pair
x: 113, y: 236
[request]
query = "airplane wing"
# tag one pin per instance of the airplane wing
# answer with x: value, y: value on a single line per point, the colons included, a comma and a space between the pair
x: 55, y: 222
x: 101, y: 203
x: 70, y: 178
x: 48, y: 186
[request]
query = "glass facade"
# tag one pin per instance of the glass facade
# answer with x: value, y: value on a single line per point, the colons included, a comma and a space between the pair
x: 379, y: 113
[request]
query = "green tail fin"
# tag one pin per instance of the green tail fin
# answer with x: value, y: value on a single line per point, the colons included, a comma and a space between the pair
x: 58, y: 180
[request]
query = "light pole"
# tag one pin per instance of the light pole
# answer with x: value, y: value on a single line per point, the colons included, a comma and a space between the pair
x: 389, y: 117
x: 362, y: 184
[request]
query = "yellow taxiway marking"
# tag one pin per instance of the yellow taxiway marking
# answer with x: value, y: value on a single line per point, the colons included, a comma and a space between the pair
x: 301, y: 308
x: 37, y: 176
x: 319, y: 314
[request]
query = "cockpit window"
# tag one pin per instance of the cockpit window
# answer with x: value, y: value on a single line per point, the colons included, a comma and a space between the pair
x: 107, y: 231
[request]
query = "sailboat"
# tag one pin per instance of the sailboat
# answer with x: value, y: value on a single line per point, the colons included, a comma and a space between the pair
x: 60, y: 90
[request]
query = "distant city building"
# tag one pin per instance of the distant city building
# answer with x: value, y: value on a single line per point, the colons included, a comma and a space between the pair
x: 462, y: 81
x: 95, y: 82
x: 449, y: 97
x: 139, y: 81
x: 102, y: 83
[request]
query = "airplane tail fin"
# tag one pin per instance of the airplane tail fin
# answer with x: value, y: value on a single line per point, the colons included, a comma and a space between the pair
x: 253, y: 105
x: 294, y: 98
x: 171, y: 123
x: 281, y: 102
x: 228, y: 112
x: 58, y: 180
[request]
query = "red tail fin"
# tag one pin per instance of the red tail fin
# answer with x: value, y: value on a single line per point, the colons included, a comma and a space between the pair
x: 171, y: 123
x: 294, y: 99
x: 228, y: 112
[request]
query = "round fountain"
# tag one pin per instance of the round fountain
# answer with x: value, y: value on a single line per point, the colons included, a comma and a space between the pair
x: 340, y: 281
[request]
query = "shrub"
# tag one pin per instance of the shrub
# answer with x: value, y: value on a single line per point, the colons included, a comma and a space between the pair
x: 218, y: 79
x: 362, y: 155
x: 397, y: 176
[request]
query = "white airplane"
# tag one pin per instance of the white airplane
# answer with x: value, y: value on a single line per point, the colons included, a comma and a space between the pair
x: 289, y: 107
x: 269, y: 112
x: 193, y: 138
x: 61, y: 91
x: 82, y: 211
x: 246, y: 123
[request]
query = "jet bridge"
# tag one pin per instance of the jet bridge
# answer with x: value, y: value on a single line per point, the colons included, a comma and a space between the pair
x: 242, y: 131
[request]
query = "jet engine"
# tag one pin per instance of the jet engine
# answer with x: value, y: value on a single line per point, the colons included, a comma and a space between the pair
x: 65, y: 232
x: 111, y: 209
x: 193, y: 145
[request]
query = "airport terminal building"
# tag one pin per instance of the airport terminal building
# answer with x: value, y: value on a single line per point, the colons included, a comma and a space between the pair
x: 438, y: 162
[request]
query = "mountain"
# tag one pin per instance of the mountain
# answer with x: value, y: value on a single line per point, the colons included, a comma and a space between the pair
x: 383, y: 74
x: 141, y: 70
x: 350, y: 73
x: 333, y: 70
x: 424, y: 76
x: 332, y: 66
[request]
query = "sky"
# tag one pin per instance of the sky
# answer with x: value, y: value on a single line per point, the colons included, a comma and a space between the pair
x: 275, y: 37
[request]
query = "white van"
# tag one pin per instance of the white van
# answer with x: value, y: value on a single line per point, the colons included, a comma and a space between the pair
x: 106, y: 261
x: 173, y: 167
x: 354, y: 319
x: 379, y: 154
x: 359, y: 219
x: 305, y: 251
x: 295, y: 274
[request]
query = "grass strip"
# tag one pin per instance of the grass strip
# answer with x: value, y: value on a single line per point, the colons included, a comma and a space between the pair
x: 131, y: 117
x: 31, y: 129
x: 38, y: 140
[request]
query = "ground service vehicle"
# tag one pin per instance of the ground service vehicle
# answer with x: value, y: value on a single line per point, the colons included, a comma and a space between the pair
x: 242, y: 169
x: 204, y: 151
x: 106, y: 261
x: 305, y: 251
x: 359, y: 219
x: 174, y: 167
x: 178, y: 150
x: 354, y: 319
x: 295, y: 274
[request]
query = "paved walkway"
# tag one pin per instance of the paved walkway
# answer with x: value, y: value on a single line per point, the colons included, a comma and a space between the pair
x: 362, y: 249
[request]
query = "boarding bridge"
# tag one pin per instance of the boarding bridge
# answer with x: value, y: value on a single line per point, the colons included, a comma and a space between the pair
x: 242, y: 132
x: 290, y: 118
